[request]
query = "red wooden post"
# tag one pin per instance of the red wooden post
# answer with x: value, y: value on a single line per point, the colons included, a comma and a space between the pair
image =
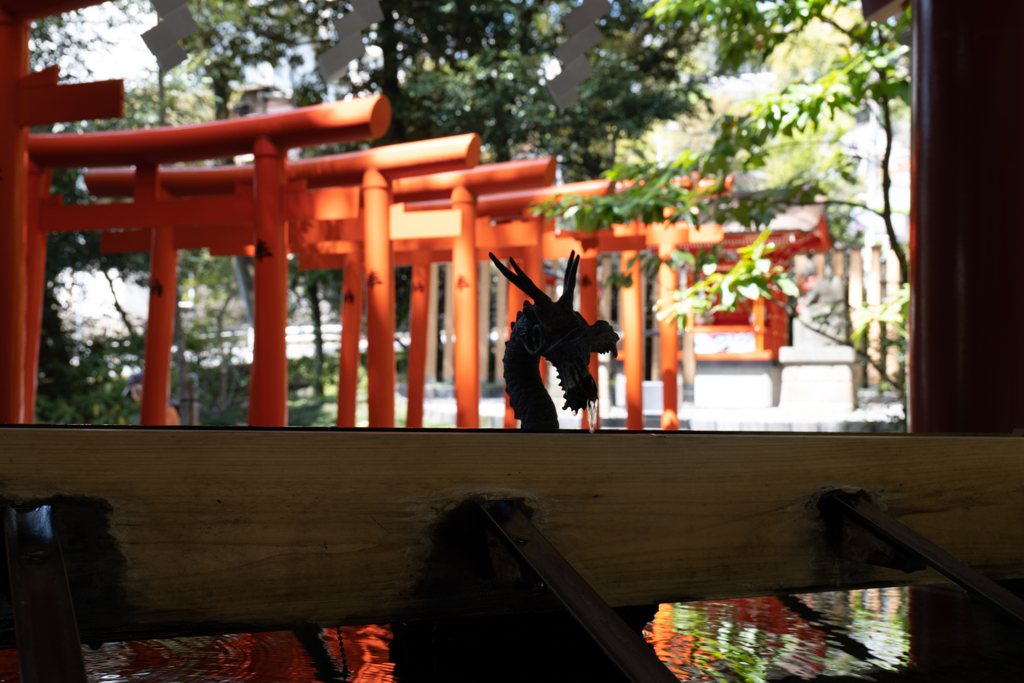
x: 467, y: 352
x: 516, y: 299
x: 588, y: 288
x: 380, y: 300
x: 268, y: 385
x: 417, y: 366
x: 35, y: 271
x: 668, y: 283
x: 532, y: 265
x: 351, y: 326
x: 13, y: 143
x: 163, y: 287
x: 633, y: 344
x: 961, y: 379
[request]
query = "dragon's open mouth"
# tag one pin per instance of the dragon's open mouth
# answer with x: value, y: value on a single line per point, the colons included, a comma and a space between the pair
x: 571, y: 358
x: 578, y: 385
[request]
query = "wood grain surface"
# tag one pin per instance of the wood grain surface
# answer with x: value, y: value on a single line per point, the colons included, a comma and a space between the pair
x: 179, y: 530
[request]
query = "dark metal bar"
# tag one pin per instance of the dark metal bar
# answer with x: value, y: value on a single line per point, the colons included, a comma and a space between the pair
x: 870, y: 517
x: 49, y: 650
x: 620, y: 643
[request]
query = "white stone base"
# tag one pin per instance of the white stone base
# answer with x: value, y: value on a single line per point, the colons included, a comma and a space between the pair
x: 736, y: 384
x: 818, y: 379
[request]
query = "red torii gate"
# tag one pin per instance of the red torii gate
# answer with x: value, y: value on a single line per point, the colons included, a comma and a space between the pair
x: 399, y: 161
x: 457, y: 229
x: 389, y: 224
x: 629, y: 240
x: 508, y: 226
x: 29, y: 99
x: 270, y: 203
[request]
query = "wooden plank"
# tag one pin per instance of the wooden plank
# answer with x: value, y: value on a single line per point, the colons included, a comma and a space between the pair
x: 49, y: 648
x: 620, y: 643
x: 424, y: 224
x: 44, y: 77
x: 328, y: 204
x: 899, y: 536
x: 126, y: 241
x: 40, y: 105
x: 205, y: 211
x: 507, y: 234
x: 219, y: 238
x: 192, y: 529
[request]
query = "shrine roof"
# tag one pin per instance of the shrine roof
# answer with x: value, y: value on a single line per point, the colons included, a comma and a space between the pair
x: 34, y: 9
x: 796, y: 218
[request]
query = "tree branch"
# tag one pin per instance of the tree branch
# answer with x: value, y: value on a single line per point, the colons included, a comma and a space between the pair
x: 117, y: 306
x: 845, y: 31
x: 858, y: 205
x: 887, y: 184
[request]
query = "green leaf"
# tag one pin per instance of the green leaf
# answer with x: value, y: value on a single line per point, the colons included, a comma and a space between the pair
x: 749, y: 291
x: 787, y: 286
x: 709, y: 268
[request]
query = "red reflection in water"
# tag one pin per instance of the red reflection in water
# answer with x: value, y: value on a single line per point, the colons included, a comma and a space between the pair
x: 690, y: 655
x: 256, y: 657
x: 275, y: 657
x: 366, y: 651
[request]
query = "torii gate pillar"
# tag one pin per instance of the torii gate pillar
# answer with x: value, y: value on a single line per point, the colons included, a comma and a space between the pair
x: 163, y: 298
x: 268, y: 382
x: 467, y: 351
x: 960, y: 284
x: 13, y: 147
x: 633, y: 342
x: 380, y: 300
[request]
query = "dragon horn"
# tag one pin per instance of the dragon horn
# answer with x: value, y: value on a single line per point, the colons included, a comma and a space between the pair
x: 569, y: 281
x: 520, y: 280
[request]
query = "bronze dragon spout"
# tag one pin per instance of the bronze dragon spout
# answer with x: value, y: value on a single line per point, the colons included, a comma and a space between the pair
x: 551, y: 329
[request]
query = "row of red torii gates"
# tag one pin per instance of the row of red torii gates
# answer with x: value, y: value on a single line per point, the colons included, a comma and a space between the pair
x: 365, y: 212
x: 413, y: 203
x: 956, y: 383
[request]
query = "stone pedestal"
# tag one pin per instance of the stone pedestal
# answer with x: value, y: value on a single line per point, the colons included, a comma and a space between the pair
x: 818, y: 378
x: 736, y: 384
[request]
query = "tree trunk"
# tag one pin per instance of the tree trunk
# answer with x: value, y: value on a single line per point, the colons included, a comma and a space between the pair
x: 313, y: 292
x: 184, y: 404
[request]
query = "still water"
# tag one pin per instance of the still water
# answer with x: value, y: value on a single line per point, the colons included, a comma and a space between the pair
x: 889, y: 634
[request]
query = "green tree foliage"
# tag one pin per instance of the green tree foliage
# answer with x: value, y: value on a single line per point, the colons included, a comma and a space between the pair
x: 237, y: 34
x: 752, y: 277
x: 447, y: 67
x: 873, y: 72
x: 468, y: 66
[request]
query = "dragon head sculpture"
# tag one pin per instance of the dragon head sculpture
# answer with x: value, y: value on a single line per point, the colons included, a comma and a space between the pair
x: 554, y: 330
